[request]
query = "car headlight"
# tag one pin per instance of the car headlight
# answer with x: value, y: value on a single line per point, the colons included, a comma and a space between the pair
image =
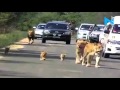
x: 46, y: 31
x: 67, y: 33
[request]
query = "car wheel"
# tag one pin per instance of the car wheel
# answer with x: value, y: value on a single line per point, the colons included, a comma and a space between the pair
x: 76, y: 40
x: 68, y: 41
x: 105, y: 55
x: 35, y: 37
x: 90, y: 40
x: 43, y: 40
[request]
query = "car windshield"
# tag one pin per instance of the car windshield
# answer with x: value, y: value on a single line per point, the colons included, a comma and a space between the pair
x: 98, y: 28
x: 41, y: 26
x: 56, y: 26
x: 116, y: 28
x: 86, y: 27
x: 101, y: 27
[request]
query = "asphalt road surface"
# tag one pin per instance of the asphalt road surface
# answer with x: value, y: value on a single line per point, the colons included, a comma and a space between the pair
x: 26, y: 63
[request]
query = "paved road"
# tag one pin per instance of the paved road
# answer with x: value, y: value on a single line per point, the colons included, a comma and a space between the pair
x: 26, y: 64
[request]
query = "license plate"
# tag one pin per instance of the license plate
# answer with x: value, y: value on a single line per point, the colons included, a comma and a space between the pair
x: 54, y: 34
x: 59, y: 34
x: 56, y: 37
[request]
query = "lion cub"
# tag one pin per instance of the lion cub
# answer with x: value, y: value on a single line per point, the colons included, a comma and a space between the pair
x: 7, y: 50
x: 43, y: 55
x: 62, y: 56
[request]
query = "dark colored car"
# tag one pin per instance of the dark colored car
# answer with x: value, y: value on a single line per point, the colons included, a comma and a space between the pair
x: 57, y: 31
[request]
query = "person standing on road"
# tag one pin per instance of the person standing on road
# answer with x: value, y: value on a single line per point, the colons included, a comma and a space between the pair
x: 108, y: 29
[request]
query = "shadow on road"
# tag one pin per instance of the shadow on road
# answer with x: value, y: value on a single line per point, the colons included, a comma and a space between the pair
x: 104, y: 67
x: 34, y: 54
x: 23, y: 52
x: 47, y: 44
x: 34, y: 44
x: 12, y: 74
x: 59, y: 44
x: 113, y: 61
x: 49, y: 56
x: 17, y: 62
x: 115, y: 58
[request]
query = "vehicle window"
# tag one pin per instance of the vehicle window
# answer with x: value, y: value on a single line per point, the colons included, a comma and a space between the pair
x: 56, y: 26
x: 85, y: 27
x: 116, y: 28
x: 101, y: 27
x: 97, y: 28
x: 41, y: 26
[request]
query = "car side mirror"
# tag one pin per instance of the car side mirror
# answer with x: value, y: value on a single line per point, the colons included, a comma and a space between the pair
x: 106, y: 31
x: 34, y: 27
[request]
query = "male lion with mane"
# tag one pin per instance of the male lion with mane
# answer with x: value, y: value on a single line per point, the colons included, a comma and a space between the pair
x: 31, y: 36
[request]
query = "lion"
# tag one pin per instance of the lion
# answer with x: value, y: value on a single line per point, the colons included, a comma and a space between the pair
x: 98, y: 55
x: 6, y: 50
x: 90, y: 50
x: 31, y: 36
x: 62, y: 56
x: 43, y: 55
x: 80, y: 44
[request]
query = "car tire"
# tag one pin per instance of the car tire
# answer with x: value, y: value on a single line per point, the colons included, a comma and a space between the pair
x: 68, y: 41
x: 76, y: 40
x: 90, y: 40
x: 105, y: 55
x: 43, y: 40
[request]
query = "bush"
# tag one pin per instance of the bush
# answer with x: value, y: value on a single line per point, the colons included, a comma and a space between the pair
x: 9, y: 38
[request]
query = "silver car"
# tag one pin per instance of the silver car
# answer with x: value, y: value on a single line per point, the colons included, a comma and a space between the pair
x: 39, y: 30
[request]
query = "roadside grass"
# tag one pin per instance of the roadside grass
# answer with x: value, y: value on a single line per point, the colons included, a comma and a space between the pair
x: 10, y: 38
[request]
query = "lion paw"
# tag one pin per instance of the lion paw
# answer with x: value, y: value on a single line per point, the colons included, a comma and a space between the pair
x: 97, y: 66
x: 83, y: 64
x: 88, y: 65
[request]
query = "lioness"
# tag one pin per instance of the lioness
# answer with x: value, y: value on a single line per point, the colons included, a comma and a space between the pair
x: 90, y: 50
x: 80, y: 44
x: 43, y: 55
x: 98, y: 55
x: 31, y: 36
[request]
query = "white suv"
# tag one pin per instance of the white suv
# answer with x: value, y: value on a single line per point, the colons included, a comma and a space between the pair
x: 84, y: 31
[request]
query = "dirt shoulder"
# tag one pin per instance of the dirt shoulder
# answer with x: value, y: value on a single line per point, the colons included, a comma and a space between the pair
x: 18, y: 45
